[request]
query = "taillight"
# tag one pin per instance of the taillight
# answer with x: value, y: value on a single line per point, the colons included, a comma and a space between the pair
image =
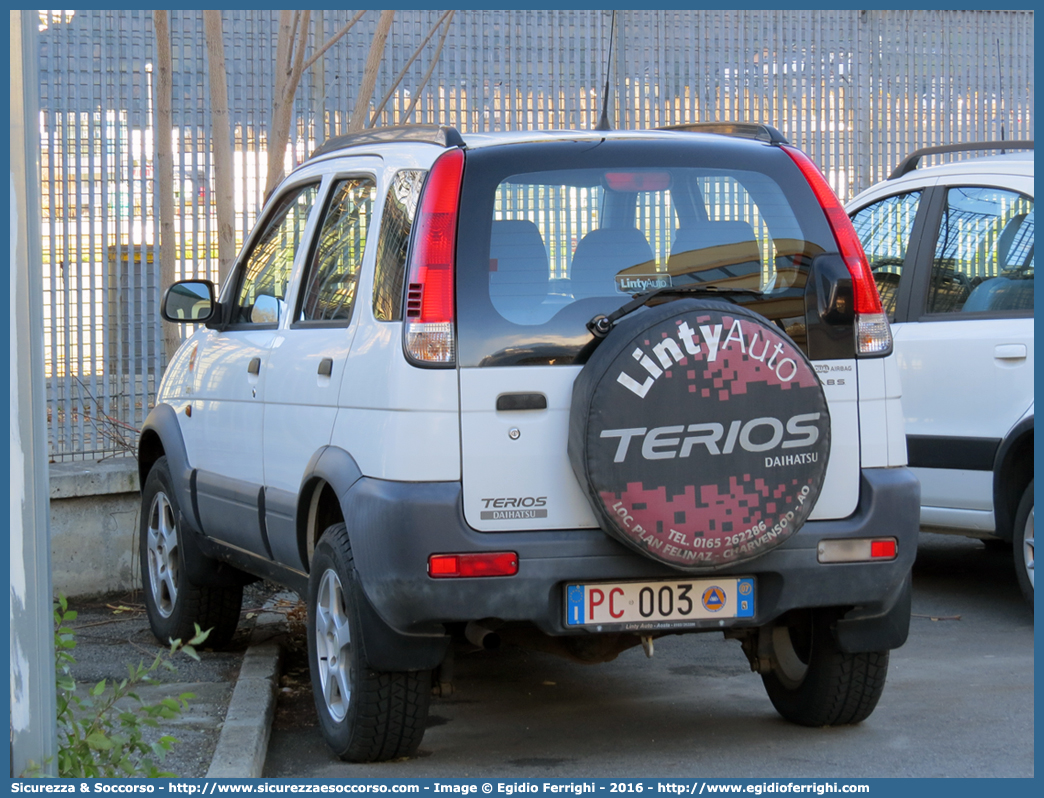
x: 430, y: 311
x: 858, y: 550
x: 486, y: 563
x: 873, y: 335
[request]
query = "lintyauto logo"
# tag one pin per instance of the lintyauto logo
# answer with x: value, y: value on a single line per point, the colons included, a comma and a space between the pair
x: 640, y: 283
x: 708, y: 437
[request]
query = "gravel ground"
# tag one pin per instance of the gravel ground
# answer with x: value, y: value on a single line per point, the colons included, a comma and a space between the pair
x: 113, y: 633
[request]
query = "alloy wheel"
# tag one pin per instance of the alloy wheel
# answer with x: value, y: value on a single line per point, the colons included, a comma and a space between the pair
x: 333, y: 645
x: 162, y: 549
x: 1027, y: 547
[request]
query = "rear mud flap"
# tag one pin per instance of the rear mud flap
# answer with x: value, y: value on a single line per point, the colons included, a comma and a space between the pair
x: 871, y: 629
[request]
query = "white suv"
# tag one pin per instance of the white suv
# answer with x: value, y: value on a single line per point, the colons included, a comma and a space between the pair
x: 951, y: 250
x: 576, y: 390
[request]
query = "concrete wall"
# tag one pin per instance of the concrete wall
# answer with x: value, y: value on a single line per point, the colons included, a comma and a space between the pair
x: 94, y: 526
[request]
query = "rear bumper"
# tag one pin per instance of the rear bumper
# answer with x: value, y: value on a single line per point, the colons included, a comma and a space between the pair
x: 395, y: 526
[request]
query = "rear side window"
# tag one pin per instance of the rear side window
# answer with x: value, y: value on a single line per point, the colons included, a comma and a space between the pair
x: 333, y: 273
x: 558, y: 246
x: 396, y: 223
x: 984, y: 253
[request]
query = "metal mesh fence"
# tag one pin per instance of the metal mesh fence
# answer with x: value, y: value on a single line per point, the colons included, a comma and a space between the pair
x: 857, y: 90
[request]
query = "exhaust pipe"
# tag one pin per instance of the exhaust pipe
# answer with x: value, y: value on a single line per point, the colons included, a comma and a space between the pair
x: 482, y: 637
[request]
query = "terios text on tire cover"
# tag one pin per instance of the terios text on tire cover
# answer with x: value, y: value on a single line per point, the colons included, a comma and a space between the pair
x: 576, y: 390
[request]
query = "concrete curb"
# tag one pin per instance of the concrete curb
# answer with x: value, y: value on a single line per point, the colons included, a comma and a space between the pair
x: 243, y: 744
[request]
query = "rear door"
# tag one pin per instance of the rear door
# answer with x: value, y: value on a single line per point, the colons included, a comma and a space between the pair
x: 558, y: 246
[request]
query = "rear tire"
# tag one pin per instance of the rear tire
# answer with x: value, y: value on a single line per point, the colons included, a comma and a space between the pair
x: 817, y: 684
x: 174, y: 604
x: 1023, y: 543
x: 365, y: 715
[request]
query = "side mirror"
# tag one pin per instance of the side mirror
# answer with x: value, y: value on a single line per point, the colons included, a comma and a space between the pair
x: 267, y: 310
x: 189, y: 302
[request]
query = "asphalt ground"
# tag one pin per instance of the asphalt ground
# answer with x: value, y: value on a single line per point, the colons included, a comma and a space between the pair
x: 958, y: 702
x: 112, y: 633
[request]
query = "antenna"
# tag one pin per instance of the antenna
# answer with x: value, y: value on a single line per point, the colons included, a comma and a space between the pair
x: 1000, y: 99
x: 603, y: 123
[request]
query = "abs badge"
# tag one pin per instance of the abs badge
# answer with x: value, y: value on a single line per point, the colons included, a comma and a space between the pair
x: 713, y: 599
x: 700, y: 433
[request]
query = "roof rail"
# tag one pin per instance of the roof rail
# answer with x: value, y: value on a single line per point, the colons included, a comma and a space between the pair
x: 749, y: 130
x: 440, y: 135
x: 909, y: 163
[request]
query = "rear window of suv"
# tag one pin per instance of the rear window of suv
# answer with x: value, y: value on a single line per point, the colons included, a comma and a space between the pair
x: 553, y: 234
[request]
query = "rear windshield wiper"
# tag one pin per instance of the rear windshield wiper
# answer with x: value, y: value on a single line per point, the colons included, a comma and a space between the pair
x: 600, y: 326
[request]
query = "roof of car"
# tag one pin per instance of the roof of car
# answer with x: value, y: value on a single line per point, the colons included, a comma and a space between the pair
x: 912, y: 161
x: 444, y: 137
x: 1020, y: 163
x: 1014, y: 164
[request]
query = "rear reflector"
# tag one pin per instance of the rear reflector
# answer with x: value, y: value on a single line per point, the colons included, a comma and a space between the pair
x: 430, y: 311
x: 859, y: 550
x: 487, y: 563
x: 882, y: 549
x: 873, y: 335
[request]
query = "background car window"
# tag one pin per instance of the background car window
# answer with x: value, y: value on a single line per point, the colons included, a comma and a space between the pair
x: 984, y: 254
x: 265, y: 277
x: 334, y: 271
x: 884, y: 230
x: 396, y: 222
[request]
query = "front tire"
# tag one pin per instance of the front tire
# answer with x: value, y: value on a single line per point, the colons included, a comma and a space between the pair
x: 1022, y: 543
x: 365, y: 715
x: 814, y: 683
x: 174, y: 604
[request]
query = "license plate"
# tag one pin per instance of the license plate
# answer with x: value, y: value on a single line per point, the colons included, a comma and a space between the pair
x: 662, y: 604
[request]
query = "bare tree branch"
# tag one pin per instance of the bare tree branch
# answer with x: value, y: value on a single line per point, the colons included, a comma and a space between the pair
x: 332, y: 40
x: 292, y: 39
x: 302, y: 40
x: 373, y: 64
x: 282, y: 99
x: 221, y: 143
x: 164, y: 133
x: 402, y: 74
x: 431, y: 68
x: 283, y: 43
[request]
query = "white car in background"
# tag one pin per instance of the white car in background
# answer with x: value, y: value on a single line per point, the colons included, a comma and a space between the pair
x: 951, y: 250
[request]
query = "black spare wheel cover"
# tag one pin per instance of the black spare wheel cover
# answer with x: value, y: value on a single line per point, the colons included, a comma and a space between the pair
x: 700, y: 433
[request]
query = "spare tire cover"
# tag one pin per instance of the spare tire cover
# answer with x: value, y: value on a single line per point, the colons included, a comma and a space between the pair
x: 700, y: 434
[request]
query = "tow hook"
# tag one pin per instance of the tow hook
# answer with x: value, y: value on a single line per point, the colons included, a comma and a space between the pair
x: 647, y: 645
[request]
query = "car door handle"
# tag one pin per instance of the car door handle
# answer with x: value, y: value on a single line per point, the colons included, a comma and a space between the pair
x: 255, y: 366
x: 1010, y: 351
x: 326, y: 367
x: 521, y: 401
